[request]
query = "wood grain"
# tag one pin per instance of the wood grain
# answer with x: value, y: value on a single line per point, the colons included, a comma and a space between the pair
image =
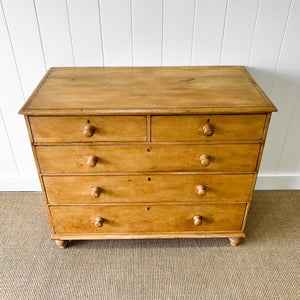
x: 148, y: 90
x: 190, y: 128
x: 147, y: 218
x: 153, y: 158
x: 147, y: 188
x: 106, y: 129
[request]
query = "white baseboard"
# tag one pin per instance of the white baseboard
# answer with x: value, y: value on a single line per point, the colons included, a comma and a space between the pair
x: 32, y: 184
x: 278, y: 182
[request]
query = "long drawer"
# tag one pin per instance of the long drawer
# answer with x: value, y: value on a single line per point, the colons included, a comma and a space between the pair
x: 88, y: 129
x: 207, y: 127
x: 147, y: 218
x: 147, y: 188
x: 143, y: 158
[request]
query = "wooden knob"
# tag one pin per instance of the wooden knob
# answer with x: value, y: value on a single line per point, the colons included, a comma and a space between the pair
x: 200, y: 189
x: 204, y: 160
x: 92, y: 161
x: 88, y: 131
x: 96, y: 192
x: 99, y: 222
x: 197, y: 220
x: 208, y: 129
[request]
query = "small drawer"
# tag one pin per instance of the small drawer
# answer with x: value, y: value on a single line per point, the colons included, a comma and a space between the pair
x: 88, y: 129
x: 103, y: 219
x: 207, y: 128
x: 147, y: 188
x: 146, y: 158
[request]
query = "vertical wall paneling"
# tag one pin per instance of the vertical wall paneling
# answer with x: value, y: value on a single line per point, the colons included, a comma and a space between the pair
x: 11, y: 99
x: 238, y: 32
x: 55, y: 32
x: 208, y: 31
x: 272, y: 30
x: 271, y: 21
x: 86, y: 32
x: 7, y: 162
x: 288, y: 75
x: 116, y: 32
x: 147, y: 32
x: 25, y: 38
x: 178, y: 32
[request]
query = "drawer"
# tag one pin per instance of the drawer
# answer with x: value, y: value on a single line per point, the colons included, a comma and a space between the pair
x: 88, y: 129
x: 147, y: 188
x: 147, y: 218
x: 143, y: 158
x: 207, y: 127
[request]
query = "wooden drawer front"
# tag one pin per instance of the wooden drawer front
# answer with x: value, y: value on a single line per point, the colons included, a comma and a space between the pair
x: 134, y: 158
x: 147, y: 188
x: 147, y: 218
x: 103, y: 128
x: 191, y: 128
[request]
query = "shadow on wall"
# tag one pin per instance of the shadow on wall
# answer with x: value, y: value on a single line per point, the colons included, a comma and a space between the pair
x: 280, y: 154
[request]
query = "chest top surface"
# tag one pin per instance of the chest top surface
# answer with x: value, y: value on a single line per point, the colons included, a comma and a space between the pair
x: 147, y: 90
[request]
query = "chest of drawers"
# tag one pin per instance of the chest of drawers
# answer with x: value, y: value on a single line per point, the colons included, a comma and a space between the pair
x: 147, y: 152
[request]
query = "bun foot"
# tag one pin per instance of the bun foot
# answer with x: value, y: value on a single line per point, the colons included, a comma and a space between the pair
x: 234, y: 241
x: 62, y: 243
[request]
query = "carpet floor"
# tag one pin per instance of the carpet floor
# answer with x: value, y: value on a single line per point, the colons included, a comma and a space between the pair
x: 265, y: 266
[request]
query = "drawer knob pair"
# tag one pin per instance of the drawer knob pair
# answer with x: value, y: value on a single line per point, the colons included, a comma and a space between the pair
x: 200, y: 189
x: 205, y: 160
x: 197, y: 220
x: 208, y: 130
x: 96, y: 192
x: 99, y: 222
x: 88, y: 131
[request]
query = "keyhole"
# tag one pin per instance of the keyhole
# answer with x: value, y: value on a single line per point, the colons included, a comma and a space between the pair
x: 207, y: 120
x: 148, y: 150
x: 148, y: 208
x: 88, y: 121
x: 149, y: 179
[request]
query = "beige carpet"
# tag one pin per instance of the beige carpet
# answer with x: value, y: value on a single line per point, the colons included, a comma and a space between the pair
x: 265, y: 266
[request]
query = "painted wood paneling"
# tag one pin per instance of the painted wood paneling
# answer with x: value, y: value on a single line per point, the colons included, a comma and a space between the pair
x: 238, y: 32
x: 208, y: 32
x: 25, y: 38
x: 270, y: 26
x: 262, y: 34
x: 86, y: 32
x: 147, y: 32
x: 8, y: 166
x: 11, y: 99
x: 178, y: 30
x: 116, y: 32
x: 53, y: 19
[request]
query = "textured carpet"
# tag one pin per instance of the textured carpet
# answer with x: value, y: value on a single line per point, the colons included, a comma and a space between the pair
x: 265, y: 266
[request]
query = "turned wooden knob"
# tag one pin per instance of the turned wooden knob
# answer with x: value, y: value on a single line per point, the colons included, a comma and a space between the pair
x: 92, y: 161
x: 197, y: 220
x: 88, y: 131
x: 96, y: 192
x: 208, y: 129
x: 99, y: 222
x: 204, y: 160
x: 200, y: 189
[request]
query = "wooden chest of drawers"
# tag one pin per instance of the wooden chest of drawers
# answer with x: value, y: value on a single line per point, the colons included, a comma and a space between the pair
x: 147, y: 152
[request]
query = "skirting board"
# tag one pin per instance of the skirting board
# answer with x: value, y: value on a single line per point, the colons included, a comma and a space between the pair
x: 31, y: 184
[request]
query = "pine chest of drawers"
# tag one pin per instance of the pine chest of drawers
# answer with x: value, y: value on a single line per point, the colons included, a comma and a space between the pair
x: 147, y: 152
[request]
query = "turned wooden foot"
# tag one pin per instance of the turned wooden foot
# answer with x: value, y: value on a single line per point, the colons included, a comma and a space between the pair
x: 234, y: 241
x: 62, y: 243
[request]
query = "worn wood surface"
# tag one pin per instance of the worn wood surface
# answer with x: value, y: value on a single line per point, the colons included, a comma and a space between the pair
x: 147, y: 218
x: 71, y: 129
x: 147, y: 188
x: 78, y: 91
x: 144, y: 158
x: 224, y: 127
